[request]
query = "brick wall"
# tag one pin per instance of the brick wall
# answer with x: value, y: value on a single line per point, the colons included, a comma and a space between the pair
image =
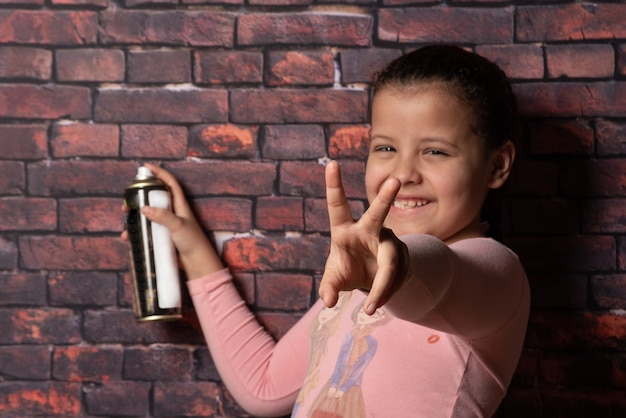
x: 242, y: 100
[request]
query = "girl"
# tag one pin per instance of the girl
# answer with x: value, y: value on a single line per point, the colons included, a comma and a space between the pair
x: 420, y: 314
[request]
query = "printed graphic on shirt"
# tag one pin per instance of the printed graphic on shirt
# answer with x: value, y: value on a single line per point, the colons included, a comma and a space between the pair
x: 322, y: 328
x: 342, y: 396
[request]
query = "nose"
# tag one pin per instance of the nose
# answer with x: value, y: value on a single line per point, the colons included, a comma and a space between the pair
x: 407, y: 171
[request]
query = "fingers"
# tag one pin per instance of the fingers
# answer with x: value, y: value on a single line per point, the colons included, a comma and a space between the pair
x: 338, y: 207
x: 374, y: 217
x: 164, y: 217
x: 385, y: 276
x: 179, y: 202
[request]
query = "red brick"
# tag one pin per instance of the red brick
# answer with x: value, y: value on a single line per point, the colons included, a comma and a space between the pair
x: 302, y: 178
x: 604, y: 216
x: 518, y: 61
x: 533, y: 178
x: 48, y: 27
x: 24, y: 142
x: 87, y: 363
x: 621, y: 254
x: 119, y: 327
x: 298, y: 106
x: 300, y: 68
x: 619, y: 371
x: 621, y: 60
x: 316, y: 214
x: 548, y: 291
x: 609, y: 291
x: 118, y: 399
x: 353, y: 178
x: 73, y: 252
x: 22, y: 289
x: 291, y: 142
x: 359, y: 65
x: 83, y: 289
x: 228, y: 141
x: 205, y: 367
x: 280, y: 2
x: 97, y: 3
x: 23, y: 2
x: 93, y: 64
x: 593, y: 178
x: 84, y: 140
x: 279, y: 213
x: 28, y: 63
x: 39, y: 326
x: 28, y: 214
x: 561, y: 137
x: 445, y: 24
x: 25, y: 363
x: 225, y: 177
x: 545, y: 216
x: 275, y: 254
x: 12, y: 177
x: 290, y: 292
x: 304, y: 28
x: 28, y: 101
x: 609, y: 137
x: 80, y: 177
x: 158, y: 363
x: 159, y: 66
x: 40, y: 399
x: 8, y: 254
x: 133, y: 3
x: 239, y: 2
x: 349, y: 141
x: 246, y: 286
x: 180, y: 28
x: 223, y: 213
x: 154, y: 141
x: 582, y: 369
x: 570, y: 22
x: 576, y: 330
x: 580, y: 61
x: 277, y: 323
x: 226, y: 67
x: 575, y: 99
x: 565, y: 254
x: 161, y: 105
x: 187, y: 399
x: 91, y: 215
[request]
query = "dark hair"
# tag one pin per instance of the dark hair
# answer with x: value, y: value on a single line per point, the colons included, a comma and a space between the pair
x: 477, y: 82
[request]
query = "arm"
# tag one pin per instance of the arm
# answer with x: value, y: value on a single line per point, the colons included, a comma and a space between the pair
x: 471, y: 287
x: 263, y: 376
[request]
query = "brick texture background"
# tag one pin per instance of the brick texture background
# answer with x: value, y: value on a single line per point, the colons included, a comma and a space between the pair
x: 244, y: 100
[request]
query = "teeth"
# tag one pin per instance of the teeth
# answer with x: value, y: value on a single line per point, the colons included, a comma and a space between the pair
x: 408, y: 204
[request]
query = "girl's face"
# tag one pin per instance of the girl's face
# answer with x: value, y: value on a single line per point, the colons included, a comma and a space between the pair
x: 422, y: 137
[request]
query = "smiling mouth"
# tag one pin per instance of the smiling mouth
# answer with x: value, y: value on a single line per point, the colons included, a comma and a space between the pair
x: 409, y: 204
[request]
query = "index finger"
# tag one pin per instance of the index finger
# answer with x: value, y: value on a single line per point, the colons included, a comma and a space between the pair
x: 338, y: 207
x: 375, y: 215
x: 178, y: 197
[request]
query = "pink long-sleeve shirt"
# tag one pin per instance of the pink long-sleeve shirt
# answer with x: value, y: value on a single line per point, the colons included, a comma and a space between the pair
x: 445, y: 345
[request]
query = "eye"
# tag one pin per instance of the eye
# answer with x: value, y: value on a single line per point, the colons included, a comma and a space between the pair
x: 384, y: 148
x: 436, y: 152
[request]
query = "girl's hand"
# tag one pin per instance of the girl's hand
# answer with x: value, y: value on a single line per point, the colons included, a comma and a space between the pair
x: 196, y: 253
x: 363, y: 254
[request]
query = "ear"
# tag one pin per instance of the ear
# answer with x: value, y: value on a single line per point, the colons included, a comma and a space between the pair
x: 501, y: 163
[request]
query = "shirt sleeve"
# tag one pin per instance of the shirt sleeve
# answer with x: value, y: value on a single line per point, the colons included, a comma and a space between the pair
x: 264, y: 376
x: 470, y: 288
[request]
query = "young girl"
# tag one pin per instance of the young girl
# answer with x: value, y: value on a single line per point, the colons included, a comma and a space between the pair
x: 420, y: 314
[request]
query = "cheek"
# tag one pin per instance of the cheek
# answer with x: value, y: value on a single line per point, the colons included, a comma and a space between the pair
x: 373, y: 179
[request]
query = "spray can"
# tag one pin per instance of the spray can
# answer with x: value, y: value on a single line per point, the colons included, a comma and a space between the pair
x: 157, y: 295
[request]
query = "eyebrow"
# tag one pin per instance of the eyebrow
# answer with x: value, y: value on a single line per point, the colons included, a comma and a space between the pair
x: 427, y: 140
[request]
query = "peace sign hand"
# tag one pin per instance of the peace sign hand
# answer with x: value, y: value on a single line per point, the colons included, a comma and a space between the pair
x: 363, y: 254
